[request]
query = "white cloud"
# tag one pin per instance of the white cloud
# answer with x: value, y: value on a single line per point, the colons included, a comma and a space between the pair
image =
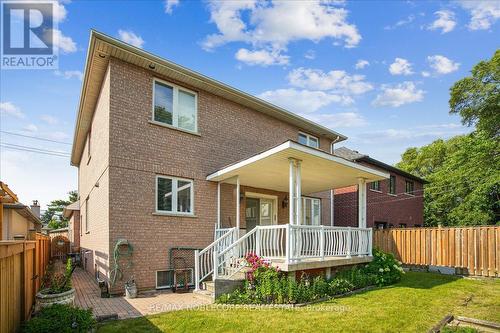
x: 338, y: 120
x: 424, y: 132
x: 9, y: 109
x: 442, y: 65
x: 310, y: 54
x: 400, y: 66
x: 484, y: 13
x: 303, y: 101
x: 337, y: 81
x: 398, y: 95
x: 261, y: 57
x: 169, y: 5
x: 62, y: 42
x: 131, y: 38
x: 361, y: 63
x: 30, y: 128
x: 400, y: 23
x: 69, y: 74
x: 274, y: 24
x: 60, y: 12
x: 51, y: 120
x: 425, y: 74
x: 445, y: 21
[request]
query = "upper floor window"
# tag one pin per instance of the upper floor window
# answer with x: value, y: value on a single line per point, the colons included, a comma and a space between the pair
x: 410, y: 187
x: 392, y: 185
x: 308, y: 140
x: 375, y: 186
x: 174, y: 195
x: 175, y: 106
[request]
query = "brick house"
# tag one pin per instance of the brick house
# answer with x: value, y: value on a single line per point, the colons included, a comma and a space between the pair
x: 72, y: 213
x: 170, y: 160
x: 394, y: 202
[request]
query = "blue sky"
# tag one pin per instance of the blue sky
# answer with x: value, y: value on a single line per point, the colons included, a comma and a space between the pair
x: 378, y: 72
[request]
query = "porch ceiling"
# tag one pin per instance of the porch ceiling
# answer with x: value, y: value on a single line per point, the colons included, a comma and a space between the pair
x: 320, y: 171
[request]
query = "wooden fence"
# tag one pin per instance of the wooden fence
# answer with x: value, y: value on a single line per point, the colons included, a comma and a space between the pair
x: 470, y: 250
x: 22, y: 264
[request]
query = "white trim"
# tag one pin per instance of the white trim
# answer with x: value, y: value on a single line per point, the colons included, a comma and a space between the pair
x: 218, y: 206
x: 174, y: 196
x: 238, y: 210
x: 175, y: 108
x: 308, y: 139
x: 301, y: 148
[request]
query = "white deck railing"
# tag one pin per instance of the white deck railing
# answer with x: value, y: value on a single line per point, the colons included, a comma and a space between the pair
x: 288, y: 243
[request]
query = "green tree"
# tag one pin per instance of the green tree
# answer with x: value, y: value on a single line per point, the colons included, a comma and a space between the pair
x: 52, y: 217
x: 464, y: 179
x: 476, y: 98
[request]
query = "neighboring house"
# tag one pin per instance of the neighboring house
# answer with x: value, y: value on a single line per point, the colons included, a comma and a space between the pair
x: 394, y: 202
x: 72, y: 213
x: 17, y: 221
x: 167, y: 158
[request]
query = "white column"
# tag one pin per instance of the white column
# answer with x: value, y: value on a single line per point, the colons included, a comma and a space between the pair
x: 196, y: 270
x: 291, y: 191
x: 332, y: 206
x: 238, y: 205
x: 218, y: 206
x: 298, y: 192
x: 361, y: 203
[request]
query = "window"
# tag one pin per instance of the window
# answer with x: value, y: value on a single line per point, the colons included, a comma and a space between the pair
x: 174, y: 195
x: 410, y: 187
x: 380, y: 225
x: 392, y: 185
x: 375, y: 186
x: 311, y: 211
x: 174, y: 106
x: 308, y: 140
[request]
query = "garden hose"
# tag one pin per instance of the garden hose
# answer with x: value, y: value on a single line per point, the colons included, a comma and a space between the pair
x: 116, y: 272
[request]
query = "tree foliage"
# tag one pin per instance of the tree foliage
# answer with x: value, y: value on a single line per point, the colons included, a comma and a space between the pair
x: 464, y: 176
x: 53, y: 215
x: 476, y: 98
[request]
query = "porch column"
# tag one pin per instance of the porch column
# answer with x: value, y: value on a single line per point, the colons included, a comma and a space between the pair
x: 361, y: 203
x: 238, y: 206
x: 291, y: 191
x: 298, y: 194
x: 218, y: 205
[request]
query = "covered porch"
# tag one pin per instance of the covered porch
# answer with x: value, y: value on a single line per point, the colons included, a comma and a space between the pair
x: 304, y: 239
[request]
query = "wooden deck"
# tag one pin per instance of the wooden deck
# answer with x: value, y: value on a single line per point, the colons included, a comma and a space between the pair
x: 315, y: 263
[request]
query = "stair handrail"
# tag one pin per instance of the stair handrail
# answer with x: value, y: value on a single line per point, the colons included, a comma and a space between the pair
x: 222, y: 258
x: 213, y: 246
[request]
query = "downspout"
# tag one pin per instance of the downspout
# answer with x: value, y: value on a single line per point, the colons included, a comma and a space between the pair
x: 332, y: 194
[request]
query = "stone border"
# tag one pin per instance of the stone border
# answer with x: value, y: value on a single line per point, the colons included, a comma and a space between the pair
x: 472, y: 321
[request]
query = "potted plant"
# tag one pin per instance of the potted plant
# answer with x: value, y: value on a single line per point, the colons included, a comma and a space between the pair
x: 130, y: 288
x: 56, y: 287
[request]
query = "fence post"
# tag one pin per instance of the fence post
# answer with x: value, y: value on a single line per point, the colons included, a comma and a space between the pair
x: 196, y: 270
x: 322, y: 243
x: 216, y: 264
x: 348, y: 242
x: 287, y: 244
x: 257, y: 241
x: 370, y: 242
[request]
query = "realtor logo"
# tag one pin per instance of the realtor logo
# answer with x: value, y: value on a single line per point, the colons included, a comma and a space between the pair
x: 28, y: 30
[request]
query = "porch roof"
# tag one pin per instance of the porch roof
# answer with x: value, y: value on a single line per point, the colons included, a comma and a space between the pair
x: 320, y: 171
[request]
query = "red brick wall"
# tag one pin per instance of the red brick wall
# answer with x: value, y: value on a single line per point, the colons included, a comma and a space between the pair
x: 140, y: 150
x: 381, y: 206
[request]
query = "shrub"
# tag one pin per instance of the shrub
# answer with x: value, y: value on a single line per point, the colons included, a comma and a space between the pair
x: 384, y: 268
x: 60, y: 318
x: 57, y: 282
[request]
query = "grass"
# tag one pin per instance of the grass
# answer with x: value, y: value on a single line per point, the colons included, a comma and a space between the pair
x: 415, y: 304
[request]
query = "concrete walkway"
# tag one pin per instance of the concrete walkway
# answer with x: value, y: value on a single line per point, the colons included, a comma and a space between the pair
x: 88, y: 296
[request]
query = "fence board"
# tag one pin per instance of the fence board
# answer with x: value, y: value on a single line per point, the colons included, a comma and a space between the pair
x: 470, y: 250
x: 22, y: 263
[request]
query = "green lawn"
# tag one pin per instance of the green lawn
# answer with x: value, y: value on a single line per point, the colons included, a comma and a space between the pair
x: 415, y: 304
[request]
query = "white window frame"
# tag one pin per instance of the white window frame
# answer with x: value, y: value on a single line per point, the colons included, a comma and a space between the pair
x: 174, y: 196
x: 304, y: 198
x: 87, y: 229
x: 309, y: 136
x: 175, y: 100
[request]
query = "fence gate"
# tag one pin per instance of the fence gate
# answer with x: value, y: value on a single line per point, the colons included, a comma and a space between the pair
x: 60, y: 247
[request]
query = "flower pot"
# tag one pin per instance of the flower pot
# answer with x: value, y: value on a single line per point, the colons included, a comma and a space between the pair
x: 44, y: 300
